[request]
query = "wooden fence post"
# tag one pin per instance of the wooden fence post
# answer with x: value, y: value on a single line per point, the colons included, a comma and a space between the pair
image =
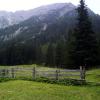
x: 57, y: 75
x: 34, y: 73
x: 82, y: 72
x: 7, y: 73
x: 12, y: 72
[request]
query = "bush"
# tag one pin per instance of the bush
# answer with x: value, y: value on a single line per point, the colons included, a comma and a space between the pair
x: 5, y: 79
x: 61, y: 82
x: 51, y: 81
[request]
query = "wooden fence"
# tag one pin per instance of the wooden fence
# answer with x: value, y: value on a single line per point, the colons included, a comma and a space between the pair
x: 36, y: 73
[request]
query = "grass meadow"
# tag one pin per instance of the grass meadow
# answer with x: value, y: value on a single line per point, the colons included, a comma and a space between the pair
x: 30, y: 90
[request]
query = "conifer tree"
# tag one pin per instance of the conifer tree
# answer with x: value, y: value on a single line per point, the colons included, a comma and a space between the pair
x: 84, y: 45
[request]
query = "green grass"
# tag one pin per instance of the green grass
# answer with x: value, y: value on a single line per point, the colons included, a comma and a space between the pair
x: 29, y: 90
x: 93, y: 75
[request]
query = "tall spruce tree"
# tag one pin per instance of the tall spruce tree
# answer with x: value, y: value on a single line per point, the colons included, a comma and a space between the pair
x: 83, y: 51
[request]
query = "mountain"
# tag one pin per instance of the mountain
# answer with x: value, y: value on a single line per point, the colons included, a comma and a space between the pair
x: 11, y: 18
x: 47, y: 24
x: 42, y: 18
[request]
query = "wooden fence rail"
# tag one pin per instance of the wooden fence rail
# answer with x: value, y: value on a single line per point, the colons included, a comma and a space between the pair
x: 35, y: 73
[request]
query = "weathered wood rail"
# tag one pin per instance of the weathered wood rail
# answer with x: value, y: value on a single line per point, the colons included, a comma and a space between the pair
x: 35, y: 73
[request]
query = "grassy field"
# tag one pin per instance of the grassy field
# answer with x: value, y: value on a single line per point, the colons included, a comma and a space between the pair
x: 29, y: 90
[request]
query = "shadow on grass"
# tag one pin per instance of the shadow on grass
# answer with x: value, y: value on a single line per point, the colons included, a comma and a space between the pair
x: 66, y: 82
x: 91, y: 84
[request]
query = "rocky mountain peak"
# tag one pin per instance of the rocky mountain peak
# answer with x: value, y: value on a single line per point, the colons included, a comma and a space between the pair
x: 11, y: 18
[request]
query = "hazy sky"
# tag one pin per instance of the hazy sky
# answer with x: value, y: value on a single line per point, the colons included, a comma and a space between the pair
x: 13, y: 5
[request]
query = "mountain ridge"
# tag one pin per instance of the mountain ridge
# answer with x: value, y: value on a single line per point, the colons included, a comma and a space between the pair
x: 11, y: 18
x: 51, y: 21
